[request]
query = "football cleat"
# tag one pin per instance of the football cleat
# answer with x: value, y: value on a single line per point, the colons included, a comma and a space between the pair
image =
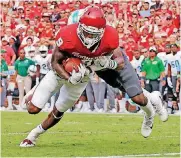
x: 147, y: 125
x: 27, y: 143
x: 157, y: 102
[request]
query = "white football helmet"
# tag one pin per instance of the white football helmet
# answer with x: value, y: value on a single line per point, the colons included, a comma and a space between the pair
x: 32, y: 70
x: 31, y: 51
x: 43, y: 51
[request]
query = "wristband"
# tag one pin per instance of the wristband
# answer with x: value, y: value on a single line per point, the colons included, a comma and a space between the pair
x: 112, y: 64
x: 164, y: 79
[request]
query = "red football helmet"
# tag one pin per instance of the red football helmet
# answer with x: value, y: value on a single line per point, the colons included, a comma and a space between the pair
x: 91, y: 26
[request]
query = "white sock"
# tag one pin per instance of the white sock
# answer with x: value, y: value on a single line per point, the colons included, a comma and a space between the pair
x: 33, y: 135
x: 122, y: 105
x: 10, y: 101
x: 148, y: 109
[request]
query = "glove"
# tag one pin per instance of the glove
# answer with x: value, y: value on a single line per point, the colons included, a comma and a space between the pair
x: 103, y: 63
x: 76, y: 77
x: 169, y: 82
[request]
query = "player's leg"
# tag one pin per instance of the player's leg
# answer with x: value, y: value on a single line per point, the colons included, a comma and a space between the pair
x: 53, y: 118
x: 127, y: 78
x: 69, y: 94
x: 39, y: 96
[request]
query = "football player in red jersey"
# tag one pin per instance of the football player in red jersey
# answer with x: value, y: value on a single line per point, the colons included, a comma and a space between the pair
x: 97, y: 45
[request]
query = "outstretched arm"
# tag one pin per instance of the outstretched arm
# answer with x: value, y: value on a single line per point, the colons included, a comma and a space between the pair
x: 113, y: 60
x: 119, y: 58
x: 56, y: 62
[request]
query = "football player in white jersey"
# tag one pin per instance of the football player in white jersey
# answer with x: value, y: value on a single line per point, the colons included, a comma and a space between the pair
x: 43, y: 60
x: 137, y: 61
x: 173, y: 60
x: 178, y: 87
x: 164, y: 57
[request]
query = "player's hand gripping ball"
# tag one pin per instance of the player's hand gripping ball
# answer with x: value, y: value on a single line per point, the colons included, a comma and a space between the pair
x: 72, y: 64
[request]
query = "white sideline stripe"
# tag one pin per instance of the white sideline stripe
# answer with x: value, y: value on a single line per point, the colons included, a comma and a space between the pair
x: 91, y: 132
x: 141, y: 155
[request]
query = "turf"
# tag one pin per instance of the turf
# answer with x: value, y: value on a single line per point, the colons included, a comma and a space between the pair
x: 89, y: 135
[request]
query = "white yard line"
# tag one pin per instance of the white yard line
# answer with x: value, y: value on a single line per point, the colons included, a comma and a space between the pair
x: 141, y: 155
x: 91, y: 132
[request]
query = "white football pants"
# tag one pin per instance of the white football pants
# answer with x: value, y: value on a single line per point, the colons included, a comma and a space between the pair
x: 50, y: 84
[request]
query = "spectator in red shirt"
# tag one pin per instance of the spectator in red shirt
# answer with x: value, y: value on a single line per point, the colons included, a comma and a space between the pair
x: 38, y: 10
x: 168, y: 28
x: 10, y: 55
x: 133, y: 32
x: 175, y: 16
x: 29, y: 13
x: 47, y: 31
x: 20, y: 11
x: 164, y: 14
x: 144, y: 37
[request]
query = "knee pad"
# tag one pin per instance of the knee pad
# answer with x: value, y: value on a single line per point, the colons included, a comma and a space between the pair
x: 57, y: 117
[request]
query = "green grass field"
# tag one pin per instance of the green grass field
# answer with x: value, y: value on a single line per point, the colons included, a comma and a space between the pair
x: 90, y: 135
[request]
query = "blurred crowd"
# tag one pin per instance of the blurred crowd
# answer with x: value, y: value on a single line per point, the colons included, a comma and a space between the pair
x: 147, y: 29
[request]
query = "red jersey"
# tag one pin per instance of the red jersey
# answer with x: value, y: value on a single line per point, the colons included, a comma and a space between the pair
x: 67, y: 40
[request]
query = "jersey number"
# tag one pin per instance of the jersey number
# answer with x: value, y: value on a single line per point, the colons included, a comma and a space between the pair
x: 174, y: 64
x: 165, y: 63
x: 44, y: 66
x: 59, y: 42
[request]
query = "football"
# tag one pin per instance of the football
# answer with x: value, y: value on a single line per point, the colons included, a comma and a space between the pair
x: 72, y: 64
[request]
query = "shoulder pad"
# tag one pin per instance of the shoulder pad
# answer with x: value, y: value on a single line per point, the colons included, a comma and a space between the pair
x: 65, y: 38
x: 111, y: 37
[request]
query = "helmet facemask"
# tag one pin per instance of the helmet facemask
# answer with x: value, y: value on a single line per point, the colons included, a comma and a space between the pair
x: 89, y: 35
x: 43, y: 53
x: 31, y: 53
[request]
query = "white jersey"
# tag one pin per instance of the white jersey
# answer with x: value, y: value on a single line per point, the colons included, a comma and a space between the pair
x: 137, y: 64
x: 75, y: 16
x: 164, y: 57
x: 173, y: 60
x: 178, y: 55
x: 44, y: 63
